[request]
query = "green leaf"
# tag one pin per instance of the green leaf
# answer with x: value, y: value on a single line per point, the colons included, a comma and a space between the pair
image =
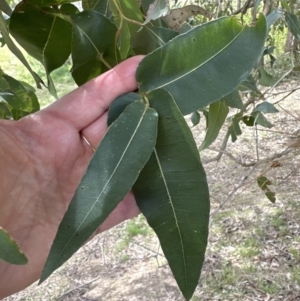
x: 260, y: 119
x: 293, y: 24
x: 150, y: 38
x: 69, y: 9
x: 263, y: 183
x: 119, y: 104
x: 273, y: 17
x: 131, y: 11
x: 285, y: 5
x: 195, y: 118
x: 265, y: 78
x: 93, y: 45
x: 208, y: 68
x: 111, y: 173
x: 157, y: 9
x: 16, y: 51
x: 216, y: 117
x: 172, y: 193
x: 234, y: 100
x: 9, y: 250
x: 235, y: 129
x: 21, y: 100
x: 265, y: 107
x: 271, y: 196
x: 5, y: 112
x: 44, y: 36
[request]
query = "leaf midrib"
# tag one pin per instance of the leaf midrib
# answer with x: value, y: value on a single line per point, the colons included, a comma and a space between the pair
x: 205, y: 62
x: 114, y: 171
x: 174, y: 213
x: 46, y: 44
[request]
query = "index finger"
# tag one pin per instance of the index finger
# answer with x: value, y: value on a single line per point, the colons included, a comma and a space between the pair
x: 88, y: 102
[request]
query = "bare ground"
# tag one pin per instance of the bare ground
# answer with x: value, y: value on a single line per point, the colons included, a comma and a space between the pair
x: 254, y: 245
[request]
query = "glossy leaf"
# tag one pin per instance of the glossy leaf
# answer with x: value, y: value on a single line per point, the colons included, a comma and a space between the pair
x: 172, y: 193
x: 119, y: 104
x: 216, y: 117
x: 93, y: 45
x: 150, y: 38
x: 234, y: 100
x: 111, y: 173
x: 293, y: 23
x: 157, y: 9
x: 16, y: 51
x: 9, y: 250
x: 195, y: 118
x: 44, y: 36
x: 124, y: 11
x: 265, y: 107
x: 208, y: 68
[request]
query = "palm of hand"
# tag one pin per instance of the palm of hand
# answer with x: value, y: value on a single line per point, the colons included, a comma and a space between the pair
x: 44, y: 158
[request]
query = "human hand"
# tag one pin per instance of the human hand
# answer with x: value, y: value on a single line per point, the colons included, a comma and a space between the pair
x: 43, y: 158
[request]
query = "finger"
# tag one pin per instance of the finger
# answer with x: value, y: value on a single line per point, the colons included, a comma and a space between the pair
x: 88, y: 102
x: 95, y: 132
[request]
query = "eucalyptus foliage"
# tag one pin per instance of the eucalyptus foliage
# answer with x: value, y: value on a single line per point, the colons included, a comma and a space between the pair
x: 149, y: 147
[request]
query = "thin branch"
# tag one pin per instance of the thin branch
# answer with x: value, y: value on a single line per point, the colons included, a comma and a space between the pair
x: 219, y: 156
x: 148, y: 249
x: 256, y: 163
x: 231, y: 194
x: 285, y: 91
x: 256, y: 143
x: 233, y: 158
x: 78, y: 287
x: 289, y: 113
x: 125, y: 18
x: 244, y: 8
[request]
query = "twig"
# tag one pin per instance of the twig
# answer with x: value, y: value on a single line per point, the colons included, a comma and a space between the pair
x: 148, y: 249
x: 284, y: 97
x: 233, y: 158
x: 78, y: 287
x: 244, y: 8
x: 231, y: 194
x: 289, y: 113
x: 256, y: 143
x: 256, y: 163
x: 224, y: 144
x: 243, y: 180
x: 285, y: 91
